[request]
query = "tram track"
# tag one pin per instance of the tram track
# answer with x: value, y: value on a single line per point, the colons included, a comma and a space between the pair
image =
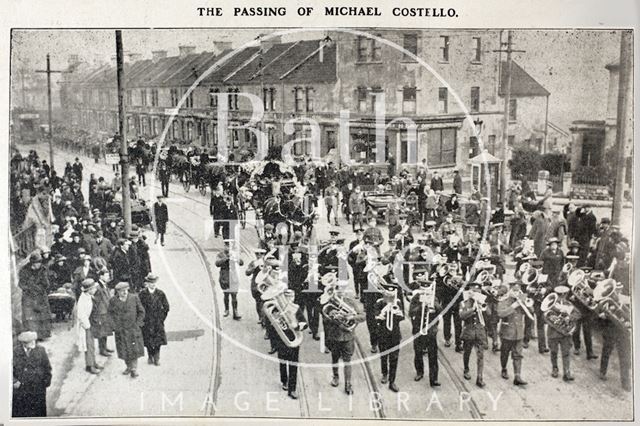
x: 216, y: 373
x: 367, y: 370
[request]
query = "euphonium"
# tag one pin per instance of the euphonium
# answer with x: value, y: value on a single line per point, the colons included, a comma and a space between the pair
x: 567, y: 268
x: 611, y: 303
x: 336, y: 309
x: 560, y: 314
x: 281, y: 312
x: 530, y: 276
x: 580, y: 288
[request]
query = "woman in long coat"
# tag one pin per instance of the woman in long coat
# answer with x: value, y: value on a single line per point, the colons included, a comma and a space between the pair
x: 127, y: 315
x: 34, y: 283
x: 156, y: 307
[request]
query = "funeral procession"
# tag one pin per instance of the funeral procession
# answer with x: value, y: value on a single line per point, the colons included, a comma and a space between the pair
x: 346, y: 223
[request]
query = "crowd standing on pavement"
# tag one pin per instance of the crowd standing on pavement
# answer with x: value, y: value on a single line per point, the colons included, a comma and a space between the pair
x: 93, y: 275
x: 438, y: 240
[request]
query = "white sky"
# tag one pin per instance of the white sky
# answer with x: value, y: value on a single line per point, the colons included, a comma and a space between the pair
x: 568, y: 63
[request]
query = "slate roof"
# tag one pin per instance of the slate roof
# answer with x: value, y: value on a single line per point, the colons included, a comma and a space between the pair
x: 522, y: 84
x: 293, y: 62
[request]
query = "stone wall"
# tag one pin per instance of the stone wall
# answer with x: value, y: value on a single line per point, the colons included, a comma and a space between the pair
x: 591, y: 192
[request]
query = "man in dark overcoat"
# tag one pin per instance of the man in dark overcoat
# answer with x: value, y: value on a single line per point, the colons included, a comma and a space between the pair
x: 127, y: 315
x: 119, y: 262
x: 31, y: 377
x: 156, y: 307
x: 34, y: 283
x: 101, y: 324
x: 160, y: 217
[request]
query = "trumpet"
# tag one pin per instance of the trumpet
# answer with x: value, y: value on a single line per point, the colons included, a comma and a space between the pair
x: 611, y: 303
x: 281, y: 312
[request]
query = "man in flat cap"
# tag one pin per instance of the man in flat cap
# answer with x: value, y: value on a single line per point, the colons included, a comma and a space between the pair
x: 160, y: 219
x: 127, y: 314
x: 156, y: 307
x: 83, y: 325
x: 34, y: 283
x: 31, y: 377
x: 228, y: 261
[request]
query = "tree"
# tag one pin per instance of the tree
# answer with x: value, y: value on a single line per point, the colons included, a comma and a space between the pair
x: 524, y: 161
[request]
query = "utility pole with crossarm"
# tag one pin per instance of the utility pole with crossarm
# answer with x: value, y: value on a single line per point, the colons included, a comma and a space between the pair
x: 49, y: 71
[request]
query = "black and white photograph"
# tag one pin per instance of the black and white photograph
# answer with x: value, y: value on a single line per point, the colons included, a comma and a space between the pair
x: 356, y: 223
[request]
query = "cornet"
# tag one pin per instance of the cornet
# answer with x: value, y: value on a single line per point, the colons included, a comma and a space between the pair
x: 391, y: 309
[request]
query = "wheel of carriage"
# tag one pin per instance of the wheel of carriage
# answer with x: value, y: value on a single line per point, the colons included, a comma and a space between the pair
x: 371, y: 214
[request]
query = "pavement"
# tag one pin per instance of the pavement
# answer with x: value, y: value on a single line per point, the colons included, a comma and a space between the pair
x: 245, y: 380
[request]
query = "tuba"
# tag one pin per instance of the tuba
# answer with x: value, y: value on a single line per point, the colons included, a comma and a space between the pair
x: 611, y: 303
x: 335, y: 308
x: 560, y: 314
x: 281, y: 312
x: 580, y: 289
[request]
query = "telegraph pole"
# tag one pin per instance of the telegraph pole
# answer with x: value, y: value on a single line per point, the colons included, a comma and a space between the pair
x: 625, y: 105
x: 124, y: 149
x: 505, y: 122
x: 48, y: 71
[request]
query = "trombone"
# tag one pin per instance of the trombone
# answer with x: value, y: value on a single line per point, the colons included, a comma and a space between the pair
x: 525, y: 304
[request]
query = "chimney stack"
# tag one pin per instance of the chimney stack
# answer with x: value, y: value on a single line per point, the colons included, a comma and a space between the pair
x: 134, y: 57
x: 156, y: 55
x: 221, y: 46
x: 186, y: 50
x: 267, y: 44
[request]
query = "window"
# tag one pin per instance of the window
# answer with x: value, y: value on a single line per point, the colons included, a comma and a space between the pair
x: 513, y: 109
x: 361, y: 48
x: 302, y: 147
x: 409, y: 100
x: 156, y: 125
x: 539, y: 144
x: 188, y: 102
x: 475, y: 99
x: 190, y: 131
x: 410, y: 43
x: 511, y: 140
x: 154, y: 97
x: 269, y: 99
x: 375, y: 50
x: 129, y: 97
x: 444, y: 49
x: 477, y: 49
x: 443, y: 100
x: 299, y: 99
x: 213, y: 98
x: 362, y: 99
x: 408, y: 153
x: 367, y: 50
x: 309, y: 99
x: 331, y: 139
x: 375, y: 91
x: 272, y: 97
x: 441, y: 147
x: 474, y: 147
x: 143, y: 97
x: 174, y: 97
x: 491, y: 144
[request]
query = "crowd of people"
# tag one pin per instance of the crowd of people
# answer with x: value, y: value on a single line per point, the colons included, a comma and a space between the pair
x: 438, y: 240
x: 94, y: 274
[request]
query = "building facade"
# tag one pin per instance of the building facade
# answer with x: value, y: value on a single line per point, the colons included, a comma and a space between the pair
x: 385, y: 94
